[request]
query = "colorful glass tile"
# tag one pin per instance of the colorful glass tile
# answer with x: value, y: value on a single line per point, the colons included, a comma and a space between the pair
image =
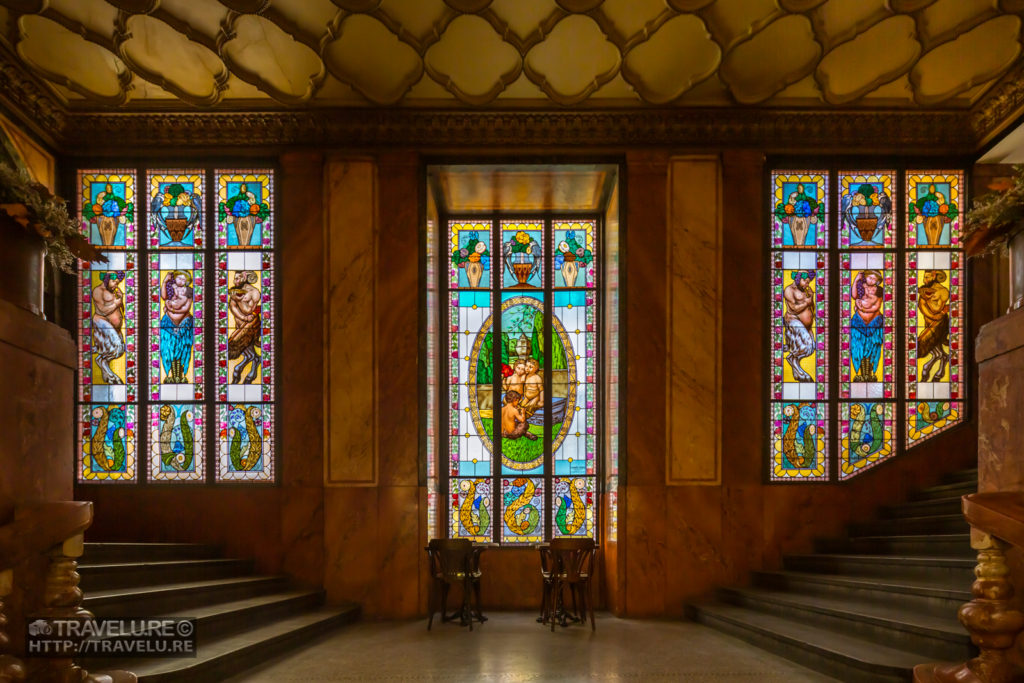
x: 471, y: 254
x: 867, y: 325
x: 866, y: 433
x: 523, y: 365
x: 176, y: 442
x: 934, y: 208
x: 176, y: 314
x: 522, y: 510
x: 245, y: 336
x: 471, y: 509
x: 108, y: 317
x: 800, y: 438
x: 245, y: 209
x: 108, y: 443
x: 470, y: 384
x: 800, y: 324
x: 176, y: 209
x: 245, y: 442
x: 866, y: 209
x: 800, y: 209
x: 574, y: 383
x: 574, y: 258
x: 925, y: 419
x: 522, y: 254
x: 573, y: 506
x: 106, y: 206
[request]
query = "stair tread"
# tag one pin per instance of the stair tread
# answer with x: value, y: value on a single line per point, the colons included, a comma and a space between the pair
x: 941, y: 561
x: 219, y: 608
x: 162, y: 563
x: 936, y: 588
x: 225, y: 645
x: 918, y: 538
x: 897, y: 615
x: 145, y: 591
x: 950, y: 500
x: 129, y: 544
x: 815, y: 637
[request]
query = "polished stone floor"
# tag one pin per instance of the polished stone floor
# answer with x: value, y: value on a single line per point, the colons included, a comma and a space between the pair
x: 513, y: 647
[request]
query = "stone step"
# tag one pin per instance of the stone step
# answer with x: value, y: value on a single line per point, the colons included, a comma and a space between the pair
x: 945, y: 545
x: 96, y: 577
x: 108, y: 553
x: 232, y: 654
x: 930, y: 636
x: 961, y: 475
x: 951, y: 569
x: 937, y: 598
x: 150, y: 600
x: 922, y: 508
x: 845, y: 657
x: 903, y: 526
x: 957, y: 489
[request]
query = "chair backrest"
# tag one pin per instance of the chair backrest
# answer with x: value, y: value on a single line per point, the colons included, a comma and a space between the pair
x: 574, y: 557
x: 450, y: 558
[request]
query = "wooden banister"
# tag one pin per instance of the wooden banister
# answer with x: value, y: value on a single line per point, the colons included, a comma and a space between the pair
x: 38, y: 527
x: 997, y: 514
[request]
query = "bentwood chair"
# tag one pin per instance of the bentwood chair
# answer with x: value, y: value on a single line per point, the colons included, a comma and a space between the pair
x: 547, y: 576
x: 573, y: 568
x: 451, y: 563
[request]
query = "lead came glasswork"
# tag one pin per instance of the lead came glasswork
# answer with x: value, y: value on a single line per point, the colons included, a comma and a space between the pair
x: 245, y: 340
x: 176, y: 442
x: 245, y: 215
x: 245, y: 442
x: 108, y: 443
x: 800, y: 209
x: 866, y: 432
x: 934, y: 208
x: 866, y: 209
x: 471, y: 509
x: 106, y: 205
x: 176, y: 208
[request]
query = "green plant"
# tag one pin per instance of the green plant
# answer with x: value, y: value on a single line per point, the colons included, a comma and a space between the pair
x: 31, y: 205
x: 995, y: 217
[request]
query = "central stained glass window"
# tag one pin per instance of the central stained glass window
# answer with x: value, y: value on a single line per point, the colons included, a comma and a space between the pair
x: 521, y: 361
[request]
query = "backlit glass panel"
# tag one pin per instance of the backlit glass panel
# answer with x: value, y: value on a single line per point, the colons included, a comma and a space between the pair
x: 934, y: 209
x: 799, y: 441
x: 107, y: 207
x: 471, y: 509
x: 867, y: 325
x: 245, y: 339
x: 800, y: 209
x: 176, y: 442
x: 108, y: 444
x: 573, y: 506
x: 522, y: 510
x: 866, y: 435
x: 176, y: 208
x: 245, y: 442
x: 245, y: 212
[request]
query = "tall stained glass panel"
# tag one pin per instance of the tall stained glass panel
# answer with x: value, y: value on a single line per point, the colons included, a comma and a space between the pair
x: 799, y: 209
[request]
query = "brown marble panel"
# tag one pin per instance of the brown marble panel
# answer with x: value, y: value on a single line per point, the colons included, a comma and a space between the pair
x: 693, y: 544
x: 1000, y: 442
x: 693, y: 286
x: 350, y: 238
x: 300, y: 410
x: 398, y: 319
x: 644, y: 320
x: 510, y: 579
x: 351, y: 557
x: 647, y: 561
x: 400, y: 547
x: 302, y: 533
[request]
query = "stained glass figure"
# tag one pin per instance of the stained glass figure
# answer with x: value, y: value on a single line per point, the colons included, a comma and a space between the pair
x: 573, y: 506
x: 176, y: 209
x: 522, y: 510
x: 865, y: 208
x: 799, y: 441
x: 108, y: 443
x: 108, y: 317
x: 245, y: 216
x: 522, y: 254
x: 106, y: 204
x: 472, y: 509
x: 471, y: 255
x: 176, y: 438
x: 524, y: 406
x: 934, y: 208
x: 867, y: 326
x: 573, y: 383
x: 800, y: 323
x: 573, y: 256
x: 245, y: 442
x: 245, y: 341
x: 799, y: 209
x: 866, y: 430
x: 176, y: 308
x: 471, y: 383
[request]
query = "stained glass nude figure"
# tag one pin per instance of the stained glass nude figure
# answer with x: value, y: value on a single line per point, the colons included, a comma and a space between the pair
x: 799, y: 320
x: 244, y: 304
x: 176, y: 326
x: 933, y: 303
x: 867, y: 326
x: 533, y: 388
x: 513, y: 418
x: 107, y: 320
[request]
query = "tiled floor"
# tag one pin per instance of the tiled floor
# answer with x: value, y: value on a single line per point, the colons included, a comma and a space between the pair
x: 513, y: 647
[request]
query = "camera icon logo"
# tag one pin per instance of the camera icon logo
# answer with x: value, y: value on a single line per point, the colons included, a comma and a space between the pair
x: 40, y: 627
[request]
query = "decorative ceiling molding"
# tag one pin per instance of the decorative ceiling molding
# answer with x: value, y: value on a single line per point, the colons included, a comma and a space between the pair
x: 384, y: 56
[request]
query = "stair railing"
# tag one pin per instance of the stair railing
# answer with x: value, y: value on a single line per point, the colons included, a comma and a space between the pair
x: 55, y: 530
x: 997, y: 522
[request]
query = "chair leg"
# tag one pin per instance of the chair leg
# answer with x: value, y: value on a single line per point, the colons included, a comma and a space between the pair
x: 444, y: 602
x: 556, y: 602
x: 574, y: 589
x: 590, y: 604
x: 431, y: 601
x: 476, y: 593
x: 543, y: 600
x: 467, y: 611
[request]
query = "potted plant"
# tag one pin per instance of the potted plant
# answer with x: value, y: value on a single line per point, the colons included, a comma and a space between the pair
x: 34, y: 223
x: 473, y: 257
x: 569, y: 256
x: 995, y: 224
x: 522, y: 257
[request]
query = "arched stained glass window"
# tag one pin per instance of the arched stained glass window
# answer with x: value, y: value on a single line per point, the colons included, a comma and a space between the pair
x: 866, y: 268
x: 176, y: 337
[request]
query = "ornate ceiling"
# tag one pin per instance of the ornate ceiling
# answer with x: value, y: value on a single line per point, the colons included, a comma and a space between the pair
x: 273, y: 54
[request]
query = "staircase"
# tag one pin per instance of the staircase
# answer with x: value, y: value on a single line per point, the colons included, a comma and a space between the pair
x: 870, y: 606
x: 241, y: 618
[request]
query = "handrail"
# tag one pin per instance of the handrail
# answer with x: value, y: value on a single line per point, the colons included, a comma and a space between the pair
x: 38, y: 527
x: 998, y: 514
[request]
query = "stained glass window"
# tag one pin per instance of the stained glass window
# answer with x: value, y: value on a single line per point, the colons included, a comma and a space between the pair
x: 894, y: 267
x: 521, y: 354
x: 198, y: 303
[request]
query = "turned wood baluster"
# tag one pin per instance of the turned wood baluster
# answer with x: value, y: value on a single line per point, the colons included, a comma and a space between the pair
x: 62, y: 599
x: 11, y: 668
